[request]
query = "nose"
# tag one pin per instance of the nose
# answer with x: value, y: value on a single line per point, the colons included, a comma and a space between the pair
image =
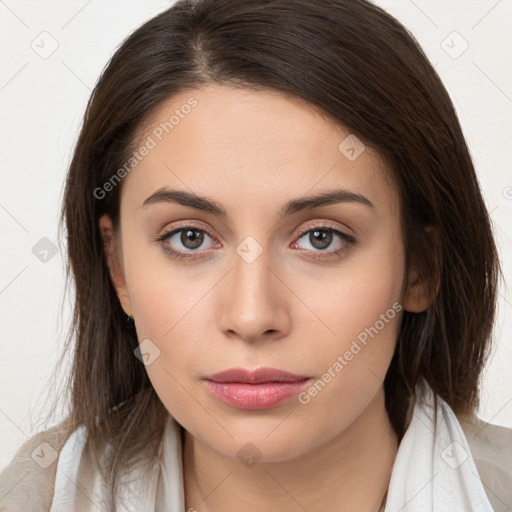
x: 254, y: 301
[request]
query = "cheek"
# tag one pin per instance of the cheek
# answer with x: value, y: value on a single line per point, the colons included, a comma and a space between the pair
x: 361, y: 319
x: 171, y: 308
x: 158, y: 294
x: 363, y: 327
x: 354, y: 296
x: 354, y: 360
x: 169, y: 312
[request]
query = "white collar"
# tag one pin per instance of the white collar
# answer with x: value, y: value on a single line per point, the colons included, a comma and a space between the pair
x: 433, y: 470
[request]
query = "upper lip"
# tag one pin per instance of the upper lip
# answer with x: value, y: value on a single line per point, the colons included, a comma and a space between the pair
x: 255, y: 376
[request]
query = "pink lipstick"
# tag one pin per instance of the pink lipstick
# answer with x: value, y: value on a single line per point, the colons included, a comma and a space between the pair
x: 259, y: 389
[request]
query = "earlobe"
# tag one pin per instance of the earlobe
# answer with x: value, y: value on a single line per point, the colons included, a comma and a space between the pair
x: 418, y: 297
x: 116, y: 273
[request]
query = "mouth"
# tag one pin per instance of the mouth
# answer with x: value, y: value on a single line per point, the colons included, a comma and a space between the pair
x: 259, y: 389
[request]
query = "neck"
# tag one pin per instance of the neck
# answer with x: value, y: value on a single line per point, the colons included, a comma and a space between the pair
x: 350, y: 472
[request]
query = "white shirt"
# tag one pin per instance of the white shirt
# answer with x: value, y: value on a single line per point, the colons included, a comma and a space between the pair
x: 454, y: 465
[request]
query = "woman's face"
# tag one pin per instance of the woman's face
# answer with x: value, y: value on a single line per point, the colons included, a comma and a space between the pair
x: 261, y: 285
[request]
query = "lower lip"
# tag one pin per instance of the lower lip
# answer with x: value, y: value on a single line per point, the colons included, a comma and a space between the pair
x: 255, y: 396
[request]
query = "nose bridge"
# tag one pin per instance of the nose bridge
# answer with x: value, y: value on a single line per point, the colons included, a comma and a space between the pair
x: 251, y: 274
x: 252, y: 306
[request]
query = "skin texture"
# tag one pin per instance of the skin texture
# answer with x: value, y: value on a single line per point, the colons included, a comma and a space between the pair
x: 251, y: 152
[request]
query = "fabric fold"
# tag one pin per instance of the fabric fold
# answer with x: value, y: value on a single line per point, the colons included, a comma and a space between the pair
x: 434, y: 468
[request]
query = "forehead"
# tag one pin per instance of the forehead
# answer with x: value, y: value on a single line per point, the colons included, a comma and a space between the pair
x: 239, y: 144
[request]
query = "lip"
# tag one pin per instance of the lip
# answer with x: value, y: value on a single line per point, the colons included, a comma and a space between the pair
x: 258, y: 376
x: 259, y: 389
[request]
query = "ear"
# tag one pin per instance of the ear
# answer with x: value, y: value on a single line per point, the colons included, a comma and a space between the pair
x: 417, y: 297
x: 116, y: 273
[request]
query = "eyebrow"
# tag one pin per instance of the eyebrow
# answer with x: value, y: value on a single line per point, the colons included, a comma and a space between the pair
x: 165, y: 195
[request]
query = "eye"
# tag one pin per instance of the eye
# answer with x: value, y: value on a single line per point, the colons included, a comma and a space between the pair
x: 190, y: 238
x: 321, y: 236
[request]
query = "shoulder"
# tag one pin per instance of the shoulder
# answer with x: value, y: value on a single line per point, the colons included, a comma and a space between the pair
x: 491, y: 449
x: 27, y: 483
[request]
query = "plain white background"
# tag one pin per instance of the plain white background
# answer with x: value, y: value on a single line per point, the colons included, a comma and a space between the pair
x: 53, y: 53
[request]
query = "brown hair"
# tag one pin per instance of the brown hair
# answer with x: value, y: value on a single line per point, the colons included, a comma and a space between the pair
x: 362, y: 69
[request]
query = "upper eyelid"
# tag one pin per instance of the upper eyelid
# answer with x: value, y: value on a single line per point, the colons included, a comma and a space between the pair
x: 322, y: 225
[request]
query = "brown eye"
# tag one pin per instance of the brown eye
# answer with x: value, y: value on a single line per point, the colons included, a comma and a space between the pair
x: 191, y: 238
x: 184, y: 242
x: 321, y: 237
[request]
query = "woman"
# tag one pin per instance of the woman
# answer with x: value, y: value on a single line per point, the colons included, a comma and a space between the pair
x: 285, y: 276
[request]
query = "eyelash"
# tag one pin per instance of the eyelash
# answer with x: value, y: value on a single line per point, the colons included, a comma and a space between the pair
x: 347, y: 240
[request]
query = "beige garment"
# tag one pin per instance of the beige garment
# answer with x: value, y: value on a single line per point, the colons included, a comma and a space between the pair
x: 491, y: 449
x: 26, y: 487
